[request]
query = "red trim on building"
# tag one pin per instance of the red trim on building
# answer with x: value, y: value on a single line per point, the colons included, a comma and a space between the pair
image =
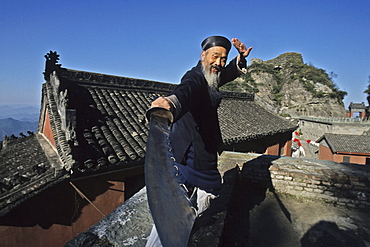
x: 46, y: 129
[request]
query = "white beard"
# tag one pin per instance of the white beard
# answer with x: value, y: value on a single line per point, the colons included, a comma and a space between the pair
x: 213, y: 79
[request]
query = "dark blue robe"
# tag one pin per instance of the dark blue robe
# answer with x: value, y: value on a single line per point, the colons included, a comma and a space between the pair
x: 196, y: 124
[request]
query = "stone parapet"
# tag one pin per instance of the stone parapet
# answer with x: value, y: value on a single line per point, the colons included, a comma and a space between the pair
x: 336, y: 183
x: 244, y: 205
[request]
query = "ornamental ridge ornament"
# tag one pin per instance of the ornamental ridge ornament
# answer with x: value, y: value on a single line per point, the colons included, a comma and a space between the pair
x: 52, y: 57
x: 51, y: 63
x: 241, y: 95
x: 99, y: 79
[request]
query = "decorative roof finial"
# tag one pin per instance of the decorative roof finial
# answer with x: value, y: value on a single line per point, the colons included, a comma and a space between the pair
x: 53, y: 57
x: 51, y: 63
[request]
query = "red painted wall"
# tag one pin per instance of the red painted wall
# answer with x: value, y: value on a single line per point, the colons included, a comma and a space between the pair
x: 288, y: 148
x: 273, y: 150
x: 325, y: 153
x: 58, y: 214
x: 46, y: 130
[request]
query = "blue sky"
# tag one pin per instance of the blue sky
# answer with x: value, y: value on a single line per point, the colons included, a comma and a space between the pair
x: 160, y: 40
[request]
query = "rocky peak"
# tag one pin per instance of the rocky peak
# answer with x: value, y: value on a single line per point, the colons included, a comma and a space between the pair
x: 287, y: 59
x: 291, y: 87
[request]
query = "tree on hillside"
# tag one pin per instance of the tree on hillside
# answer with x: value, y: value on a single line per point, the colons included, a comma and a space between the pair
x: 368, y: 92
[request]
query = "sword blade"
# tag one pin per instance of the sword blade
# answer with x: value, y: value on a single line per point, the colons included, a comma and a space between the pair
x: 170, y: 206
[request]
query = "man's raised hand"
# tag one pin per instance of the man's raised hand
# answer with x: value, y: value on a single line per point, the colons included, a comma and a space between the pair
x: 242, y: 49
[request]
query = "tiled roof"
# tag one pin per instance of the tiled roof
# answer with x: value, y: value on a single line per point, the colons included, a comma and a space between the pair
x: 98, y: 125
x: 25, y: 169
x: 348, y: 143
x: 242, y: 119
x: 357, y: 106
x: 111, y: 128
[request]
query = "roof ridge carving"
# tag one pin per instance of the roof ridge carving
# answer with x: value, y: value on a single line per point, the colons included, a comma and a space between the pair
x: 233, y: 94
x: 121, y: 81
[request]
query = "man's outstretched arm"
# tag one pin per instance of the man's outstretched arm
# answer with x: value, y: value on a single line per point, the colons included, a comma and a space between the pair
x: 238, y: 65
x: 241, y: 48
x: 243, y: 53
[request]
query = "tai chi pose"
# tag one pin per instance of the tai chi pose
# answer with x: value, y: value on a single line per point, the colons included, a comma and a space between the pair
x: 195, y: 133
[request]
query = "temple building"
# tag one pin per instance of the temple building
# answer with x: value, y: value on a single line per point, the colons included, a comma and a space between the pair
x: 87, y: 157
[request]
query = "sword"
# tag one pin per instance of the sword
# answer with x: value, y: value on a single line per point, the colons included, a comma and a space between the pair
x: 171, y: 209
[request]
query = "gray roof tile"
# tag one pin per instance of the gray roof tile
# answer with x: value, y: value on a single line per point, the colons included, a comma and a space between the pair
x: 242, y: 119
x: 25, y: 169
x: 110, y: 130
x: 348, y: 143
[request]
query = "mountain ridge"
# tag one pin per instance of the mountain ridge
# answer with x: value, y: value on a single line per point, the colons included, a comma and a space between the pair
x: 26, y: 113
x: 292, y: 87
x: 10, y: 126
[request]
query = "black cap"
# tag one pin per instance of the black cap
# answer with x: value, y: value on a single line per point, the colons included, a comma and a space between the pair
x: 216, y: 41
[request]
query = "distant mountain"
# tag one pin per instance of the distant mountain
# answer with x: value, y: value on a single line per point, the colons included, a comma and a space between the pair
x: 24, y: 113
x: 288, y: 86
x: 11, y: 126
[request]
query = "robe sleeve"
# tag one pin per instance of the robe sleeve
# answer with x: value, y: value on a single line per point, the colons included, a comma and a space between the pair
x: 186, y: 94
x: 233, y: 70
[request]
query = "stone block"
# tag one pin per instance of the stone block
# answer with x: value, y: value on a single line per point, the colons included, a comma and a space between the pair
x: 337, y: 185
x: 273, y: 168
x: 294, y: 183
x: 329, y: 193
x: 326, y: 183
x: 316, y: 181
x: 353, y: 178
x: 344, y: 200
x: 318, y: 191
x: 342, y: 178
x: 357, y: 183
x: 327, y: 197
x: 361, y: 188
x: 299, y: 188
x: 312, y: 186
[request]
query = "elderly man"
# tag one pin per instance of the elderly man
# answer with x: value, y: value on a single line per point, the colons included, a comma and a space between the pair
x: 195, y: 133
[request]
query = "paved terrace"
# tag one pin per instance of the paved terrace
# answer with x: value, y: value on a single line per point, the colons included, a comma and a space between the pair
x: 265, y: 201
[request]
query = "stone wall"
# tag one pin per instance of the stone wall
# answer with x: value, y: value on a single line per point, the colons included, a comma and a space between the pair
x: 313, y: 128
x: 320, y: 181
x: 339, y: 184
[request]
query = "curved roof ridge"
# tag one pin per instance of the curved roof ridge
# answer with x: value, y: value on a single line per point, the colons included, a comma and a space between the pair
x: 233, y: 94
x: 99, y: 78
